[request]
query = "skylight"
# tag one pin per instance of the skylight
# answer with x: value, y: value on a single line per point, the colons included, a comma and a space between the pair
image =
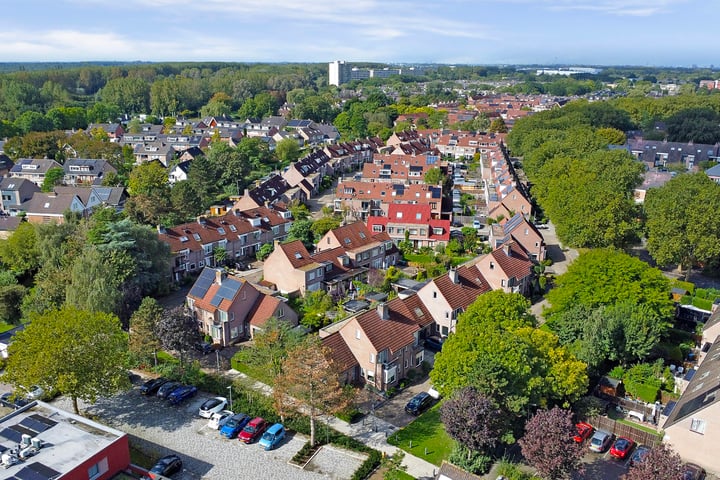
x: 196, y: 236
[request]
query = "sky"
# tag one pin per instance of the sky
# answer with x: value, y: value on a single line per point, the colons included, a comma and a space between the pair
x: 484, y: 32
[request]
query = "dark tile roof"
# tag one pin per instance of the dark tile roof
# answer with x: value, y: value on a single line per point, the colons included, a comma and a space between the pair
x: 393, y: 333
x: 470, y: 284
x: 342, y: 357
x: 513, y: 260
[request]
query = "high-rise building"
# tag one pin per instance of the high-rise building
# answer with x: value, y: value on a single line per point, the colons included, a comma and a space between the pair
x: 338, y: 72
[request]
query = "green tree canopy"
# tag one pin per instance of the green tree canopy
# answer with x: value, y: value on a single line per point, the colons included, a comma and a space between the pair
x: 679, y: 227
x: 19, y: 252
x: 287, y: 150
x: 79, y: 353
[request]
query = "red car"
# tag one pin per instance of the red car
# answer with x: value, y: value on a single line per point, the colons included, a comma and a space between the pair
x: 584, y: 430
x: 253, y: 430
x: 621, y: 448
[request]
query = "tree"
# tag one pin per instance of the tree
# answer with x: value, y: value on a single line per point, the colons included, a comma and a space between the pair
x: 144, y: 342
x: 314, y: 306
x: 271, y: 346
x: 19, y: 252
x: 323, y: 225
x: 302, y: 230
x: 53, y: 177
x: 498, y: 126
x: 661, y: 462
x: 287, y: 150
x: 679, y: 230
x: 79, y: 353
x: 264, y: 251
x: 177, y: 331
x: 95, y: 282
x: 548, y: 444
x: 309, y: 383
x: 473, y: 420
x: 434, y: 176
x: 608, y: 277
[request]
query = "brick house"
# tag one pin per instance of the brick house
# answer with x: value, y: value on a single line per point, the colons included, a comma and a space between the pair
x: 365, y: 249
x: 518, y: 229
x: 424, y: 231
x: 507, y: 268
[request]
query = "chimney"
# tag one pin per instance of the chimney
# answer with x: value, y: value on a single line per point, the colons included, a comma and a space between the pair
x: 219, y: 276
x: 383, y: 312
x: 506, y: 249
x: 453, y: 274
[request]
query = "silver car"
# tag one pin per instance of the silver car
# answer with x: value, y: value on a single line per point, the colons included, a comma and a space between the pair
x: 600, y: 441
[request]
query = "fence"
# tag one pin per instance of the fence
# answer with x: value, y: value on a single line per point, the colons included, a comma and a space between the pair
x: 625, y: 430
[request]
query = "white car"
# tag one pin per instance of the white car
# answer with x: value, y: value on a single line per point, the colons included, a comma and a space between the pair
x: 35, y: 392
x: 219, y: 419
x: 214, y: 405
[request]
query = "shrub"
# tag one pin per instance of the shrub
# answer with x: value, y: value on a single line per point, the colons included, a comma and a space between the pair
x: 703, y: 303
x: 588, y: 407
x: 687, y: 286
x: 473, y: 462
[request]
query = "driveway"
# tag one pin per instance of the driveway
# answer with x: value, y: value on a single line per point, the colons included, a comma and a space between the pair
x: 158, y: 429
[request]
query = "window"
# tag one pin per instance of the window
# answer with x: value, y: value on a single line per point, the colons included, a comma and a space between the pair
x: 276, y: 230
x: 697, y: 425
x: 434, y: 294
x: 502, y: 282
x: 419, y: 357
x: 418, y: 216
x: 377, y: 228
x: 208, y: 249
x: 357, y: 333
x: 492, y: 265
x: 280, y: 312
x: 221, y: 230
x: 98, y: 469
x: 372, y: 358
x: 235, y: 332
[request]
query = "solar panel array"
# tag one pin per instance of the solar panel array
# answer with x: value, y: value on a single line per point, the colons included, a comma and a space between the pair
x: 203, y: 283
x: 36, y: 471
x: 227, y: 291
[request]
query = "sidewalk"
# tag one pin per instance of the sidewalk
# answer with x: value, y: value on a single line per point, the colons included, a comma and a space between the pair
x: 372, y: 431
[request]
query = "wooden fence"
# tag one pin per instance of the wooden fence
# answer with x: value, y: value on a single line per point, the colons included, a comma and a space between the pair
x: 624, y: 430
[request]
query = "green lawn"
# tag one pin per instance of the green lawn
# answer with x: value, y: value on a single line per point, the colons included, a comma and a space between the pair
x: 4, y: 327
x: 260, y: 373
x: 420, y: 258
x: 426, y: 432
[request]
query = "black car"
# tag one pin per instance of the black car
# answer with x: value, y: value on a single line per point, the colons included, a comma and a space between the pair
x: 419, y: 403
x: 151, y: 386
x: 166, y: 466
x: 203, y: 347
x: 434, y: 344
x: 7, y: 400
x: 167, y: 388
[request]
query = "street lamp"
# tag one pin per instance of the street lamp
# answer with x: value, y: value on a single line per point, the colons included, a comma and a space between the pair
x: 230, y: 390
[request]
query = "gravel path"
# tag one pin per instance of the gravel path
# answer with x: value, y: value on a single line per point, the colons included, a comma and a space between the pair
x: 159, y: 429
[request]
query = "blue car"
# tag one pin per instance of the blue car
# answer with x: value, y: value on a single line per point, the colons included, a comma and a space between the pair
x: 234, y: 425
x: 272, y: 436
x: 167, y: 388
x: 182, y: 393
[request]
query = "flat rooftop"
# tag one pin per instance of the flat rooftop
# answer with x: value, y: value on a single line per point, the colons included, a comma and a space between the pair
x: 67, y: 441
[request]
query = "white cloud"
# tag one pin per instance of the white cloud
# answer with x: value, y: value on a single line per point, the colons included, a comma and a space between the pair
x: 613, y: 7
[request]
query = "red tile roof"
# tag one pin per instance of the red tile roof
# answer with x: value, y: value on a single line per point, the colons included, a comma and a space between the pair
x: 263, y: 310
x: 416, y: 308
x: 512, y: 260
x: 470, y: 285
x: 393, y: 333
x: 296, y: 253
x: 342, y: 357
x: 353, y: 236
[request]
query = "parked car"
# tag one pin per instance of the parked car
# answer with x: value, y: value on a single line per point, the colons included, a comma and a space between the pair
x: 272, y: 436
x: 693, y: 472
x: 541, y: 226
x: 584, y: 430
x: 203, y: 347
x: 621, y: 448
x: 182, y: 393
x: 477, y: 225
x: 600, y: 441
x: 9, y: 400
x: 214, y: 405
x: 419, y: 403
x: 219, y: 419
x: 167, y: 388
x: 234, y: 425
x: 34, y: 393
x: 151, y: 386
x: 252, y: 430
x: 434, y: 344
x: 639, y: 454
x: 166, y: 466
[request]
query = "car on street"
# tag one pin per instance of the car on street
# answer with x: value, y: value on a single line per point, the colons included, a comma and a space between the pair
x: 151, y: 386
x: 419, y: 403
x: 692, y: 471
x: 218, y: 420
x: 253, y: 430
x: 167, y: 388
x: 166, y: 466
x: 234, y: 425
x: 434, y: 344
x: 203, y: 347
x: 9, y: 400
x: 477, y: 225
x: 213, y: 405
x: 621, y: 448
x: 600, y: 441
x: 541, y: 226
x: 639, y: 454
x: 272, y: 436
x: 182, y: 393
x: 584, y: 430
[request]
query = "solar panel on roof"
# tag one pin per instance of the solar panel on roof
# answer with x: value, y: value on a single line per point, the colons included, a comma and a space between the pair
x: 42, y: 419
x: 37, y: 471
x: 22, y: 430
x: 11, y: 435
x: 202, y: 284
x: 33, y: 425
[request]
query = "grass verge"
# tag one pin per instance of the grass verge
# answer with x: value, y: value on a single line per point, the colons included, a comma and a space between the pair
x: 427, y: 433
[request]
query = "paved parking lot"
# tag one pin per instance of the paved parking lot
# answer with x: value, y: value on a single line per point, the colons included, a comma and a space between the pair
x: 159, y: 429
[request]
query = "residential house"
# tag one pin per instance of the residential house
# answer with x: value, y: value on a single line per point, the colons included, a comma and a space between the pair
x: 507, y: 268
x: 51, y: 207
x: 660, y: 154
x: 5, y: 164
x: 112, y: 196
x: 448, y: 295
x: 14, y: 192
x: 348, y: 156
x: 407, y: 169
x: 114, y: 131
x: 33, y: 169
x: 385, y: 342
x: 311, y: 169
x: 692, y: 423
x: 87, y: 195
x: 517, y: 229
x: 149, y: 151
x: 292, y: 269
x: 239, y: 234
x: 85, y: 171
x: 714, y: 173
x: 224, y: 306
x: 364, y: 248
x: 343, y: 359
x: 8, y: 225
x: 362, y: 199
x: 271, y: 190
x: 448, y: 471
x: 179, y: 172
x: 656, y: 179
x: 416, y: 220
x: 464, y: 145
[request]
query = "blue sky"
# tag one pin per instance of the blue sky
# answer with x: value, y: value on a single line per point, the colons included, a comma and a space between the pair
x: 603, y: 32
